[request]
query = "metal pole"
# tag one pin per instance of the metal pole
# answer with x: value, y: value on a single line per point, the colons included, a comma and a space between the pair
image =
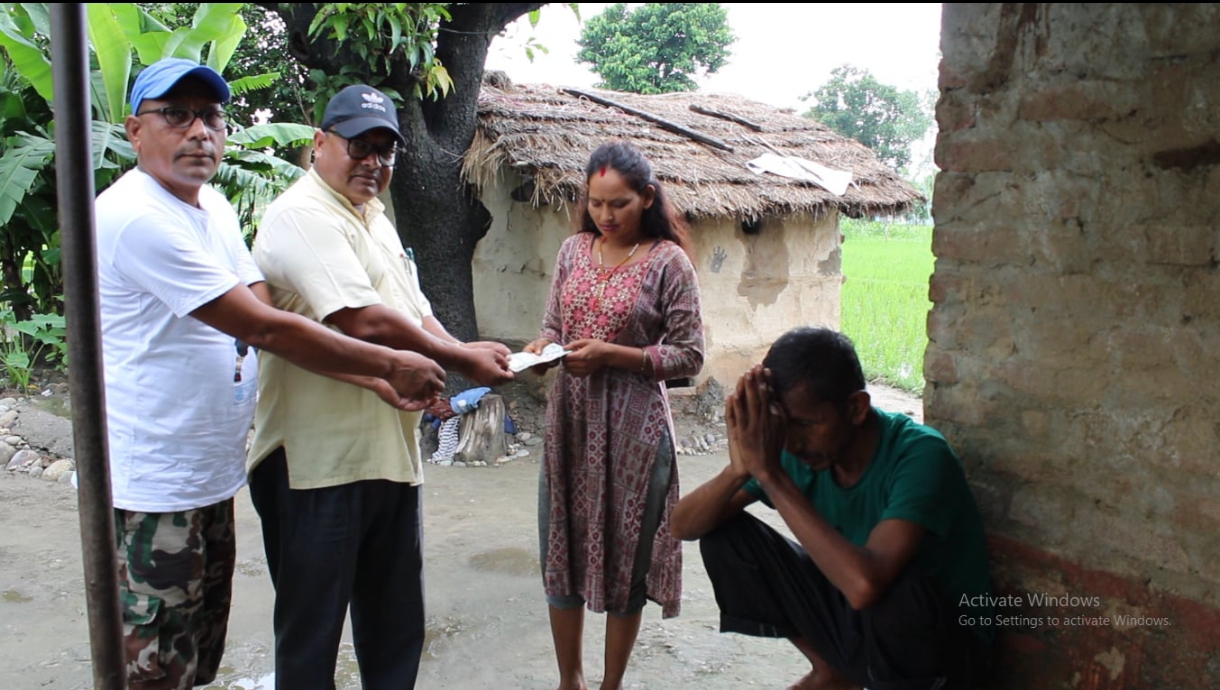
x: 74, y: 175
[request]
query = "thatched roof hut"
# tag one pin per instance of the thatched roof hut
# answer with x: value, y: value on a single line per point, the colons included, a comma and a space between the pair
x: 546, y: 134
x: 766, y: 247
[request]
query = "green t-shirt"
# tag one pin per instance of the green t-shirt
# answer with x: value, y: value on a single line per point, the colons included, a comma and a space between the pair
x: 914, y: 475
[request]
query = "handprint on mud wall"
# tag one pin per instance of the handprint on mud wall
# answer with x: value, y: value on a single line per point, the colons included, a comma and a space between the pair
x: 718, y: 257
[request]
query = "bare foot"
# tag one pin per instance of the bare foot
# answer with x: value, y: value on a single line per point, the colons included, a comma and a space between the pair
x: 809, y: 681
x: 577, y: 683
x: 823, y: 681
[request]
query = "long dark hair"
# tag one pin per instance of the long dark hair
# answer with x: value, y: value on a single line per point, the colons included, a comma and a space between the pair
x: 659, y: 220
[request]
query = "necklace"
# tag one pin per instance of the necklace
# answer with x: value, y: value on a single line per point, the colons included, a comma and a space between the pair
x: 601, y: 263
x: 604, y: 276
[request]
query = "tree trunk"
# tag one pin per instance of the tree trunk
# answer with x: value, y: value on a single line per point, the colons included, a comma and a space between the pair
x: 438, y: 218
x: 481, y: 438
x: 436, y: 212
x: 11, y: 265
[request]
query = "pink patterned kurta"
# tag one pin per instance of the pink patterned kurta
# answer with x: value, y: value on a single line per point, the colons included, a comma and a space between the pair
x: 604, y: 431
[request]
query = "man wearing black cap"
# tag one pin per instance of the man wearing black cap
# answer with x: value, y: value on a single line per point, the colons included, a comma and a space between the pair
x: 180, y: 300
x: 335, y: 478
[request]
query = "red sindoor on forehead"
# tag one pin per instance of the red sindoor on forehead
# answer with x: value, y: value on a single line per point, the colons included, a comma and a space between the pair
x: 602, y: 172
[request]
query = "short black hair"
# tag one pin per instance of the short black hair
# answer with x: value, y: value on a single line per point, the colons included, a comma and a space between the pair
x: 821, y: 360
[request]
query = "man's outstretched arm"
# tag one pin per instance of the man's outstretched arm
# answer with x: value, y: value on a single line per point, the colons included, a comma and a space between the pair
x: 242, y: 314
x: 710, y: 505
x: 380, y: 324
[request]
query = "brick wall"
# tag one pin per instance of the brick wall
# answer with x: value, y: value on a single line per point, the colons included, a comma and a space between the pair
x: 1075, y: 336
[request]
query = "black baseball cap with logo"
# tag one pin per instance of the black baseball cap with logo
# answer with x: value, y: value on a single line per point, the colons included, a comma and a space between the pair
x: 359, y: 108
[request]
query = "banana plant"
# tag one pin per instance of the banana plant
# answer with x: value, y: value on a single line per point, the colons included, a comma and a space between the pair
x: 29, y: 238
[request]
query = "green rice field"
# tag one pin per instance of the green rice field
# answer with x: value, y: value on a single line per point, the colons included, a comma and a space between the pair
x: 885, y: 298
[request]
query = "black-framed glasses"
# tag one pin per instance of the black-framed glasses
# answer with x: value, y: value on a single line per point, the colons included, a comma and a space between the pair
x: 359, y: 149
x: 181, y: 118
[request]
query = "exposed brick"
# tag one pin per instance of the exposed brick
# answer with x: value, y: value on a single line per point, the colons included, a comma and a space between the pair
x: 950, y: 189
x: 1191, y: 245
x: 1053, y: 291
x: 970, y: 198
x: 941, y: 320
x: 1078, y: 100
x: 972, y: 156
x: 1159, y: 547
x: 955, y: 111
x: 940, y: 366
x: 986, y: 332
x: 971, y: 243
x: 1077, y: 308
x: 1191, y: 438
x: 1048, y: 656
x: 1062, y: 381
x: 949, y: 79
x: 956, y: 407
x: 1201, y: 297
x: 1035, y: 507
x: 1054, y: 336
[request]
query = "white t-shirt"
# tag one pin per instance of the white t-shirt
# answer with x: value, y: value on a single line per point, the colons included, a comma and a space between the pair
x: 177, y: 414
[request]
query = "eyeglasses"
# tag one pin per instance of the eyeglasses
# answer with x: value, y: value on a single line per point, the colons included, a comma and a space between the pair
x: 359, y: 149
x: 181, y: 118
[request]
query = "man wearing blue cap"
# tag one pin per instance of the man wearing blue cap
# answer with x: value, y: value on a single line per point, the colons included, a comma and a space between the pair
x: 180, y: 300
x: 335, y: 479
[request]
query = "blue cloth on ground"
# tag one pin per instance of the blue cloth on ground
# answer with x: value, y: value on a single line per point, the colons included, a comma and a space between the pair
x: 468, y: 399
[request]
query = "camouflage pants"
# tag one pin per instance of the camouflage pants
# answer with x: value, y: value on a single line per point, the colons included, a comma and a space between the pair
x: 175, y: 585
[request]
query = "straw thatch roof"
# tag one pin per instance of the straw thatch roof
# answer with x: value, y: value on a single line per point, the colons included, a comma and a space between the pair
x: 546, y: 134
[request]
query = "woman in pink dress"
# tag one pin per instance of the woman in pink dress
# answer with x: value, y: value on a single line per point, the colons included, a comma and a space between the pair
x: 625, y: 303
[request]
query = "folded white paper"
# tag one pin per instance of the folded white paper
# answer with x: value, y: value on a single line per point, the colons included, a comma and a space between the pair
x: 520, y: 361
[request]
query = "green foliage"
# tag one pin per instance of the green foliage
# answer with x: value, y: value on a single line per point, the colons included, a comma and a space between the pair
x: 24, y: 36
x: 885, y: 298
x: 379, y: 34
x: 532, y: 46
x: 25, y: 157
x: 882, y: 117
x: 250, y: 176
x: 30, y: 236
x: 24, y: 344
x: 281, y: 95
x: 656, y: 47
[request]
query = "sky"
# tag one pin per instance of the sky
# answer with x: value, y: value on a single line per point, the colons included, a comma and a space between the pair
x: 782, y: 52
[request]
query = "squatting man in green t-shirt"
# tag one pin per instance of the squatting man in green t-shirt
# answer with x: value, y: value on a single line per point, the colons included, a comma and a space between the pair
x: 890, y: 539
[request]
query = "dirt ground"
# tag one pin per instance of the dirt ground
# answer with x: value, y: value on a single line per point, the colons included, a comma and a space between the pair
x: 487, y: 623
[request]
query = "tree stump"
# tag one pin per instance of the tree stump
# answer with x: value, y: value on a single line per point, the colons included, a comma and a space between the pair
x: 482, y: 434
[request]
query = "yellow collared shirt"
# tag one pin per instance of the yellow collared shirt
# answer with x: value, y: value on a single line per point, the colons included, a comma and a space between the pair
x: 320, y: 255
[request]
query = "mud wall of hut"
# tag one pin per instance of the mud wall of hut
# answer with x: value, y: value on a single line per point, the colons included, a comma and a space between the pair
x: 1073, y: 358
x: 754, y: 285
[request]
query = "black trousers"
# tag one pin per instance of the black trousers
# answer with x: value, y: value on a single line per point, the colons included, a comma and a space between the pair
x: 767, y: 585
x: 358, y: 544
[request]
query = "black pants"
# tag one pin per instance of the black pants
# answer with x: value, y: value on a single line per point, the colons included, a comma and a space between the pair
x: 767, y: 586
x: 358, y: 544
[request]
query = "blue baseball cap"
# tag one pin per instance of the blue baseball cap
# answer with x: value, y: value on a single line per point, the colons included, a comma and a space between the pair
x: 162, y: 76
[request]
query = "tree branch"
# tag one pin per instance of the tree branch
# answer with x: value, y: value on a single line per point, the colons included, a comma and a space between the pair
x: 461, y: 46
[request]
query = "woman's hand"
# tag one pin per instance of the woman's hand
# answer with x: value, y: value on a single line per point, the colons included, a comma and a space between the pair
x: 585, y: 356
x: 535, y: 348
